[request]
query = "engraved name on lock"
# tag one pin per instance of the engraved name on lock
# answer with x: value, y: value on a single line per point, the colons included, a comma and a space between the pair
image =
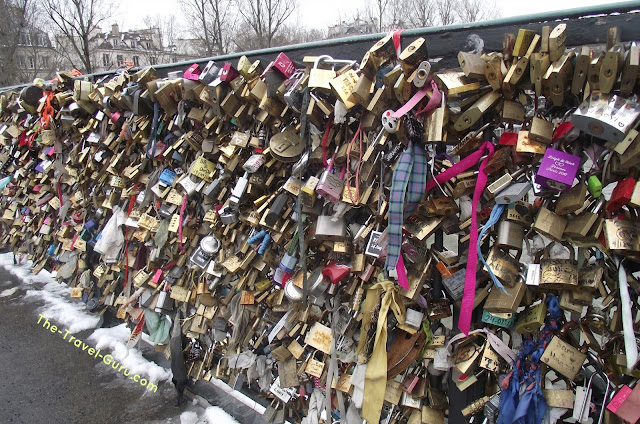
x: 504, y: 267
x: 558, y: 273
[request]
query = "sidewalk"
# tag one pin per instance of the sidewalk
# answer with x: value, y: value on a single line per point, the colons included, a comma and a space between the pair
x: 47, y: 379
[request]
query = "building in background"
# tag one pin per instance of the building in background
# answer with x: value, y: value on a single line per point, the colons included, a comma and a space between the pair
x: 357, y: 27
x: 35, y: 56
x: 143, y: 47
x: 137, y: 48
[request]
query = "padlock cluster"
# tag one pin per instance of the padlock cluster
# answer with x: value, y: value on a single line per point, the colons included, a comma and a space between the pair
x: 363, y: 241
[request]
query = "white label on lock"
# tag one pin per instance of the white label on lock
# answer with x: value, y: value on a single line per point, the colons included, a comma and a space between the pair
x: 93, y: 137
x: 533, y: 275
x: 389, y: 123
x: 373, y: 248
x: 583, y: 397
x: 284, y: 395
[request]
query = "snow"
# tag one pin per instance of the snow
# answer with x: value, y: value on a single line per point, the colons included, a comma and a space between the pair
x: 188, y: 417
x: 115, y: 340
x: 71, y: 314
x: 8, y: 292
x: 59, y: 307
x: 217, y: 415
x: 211, y: 415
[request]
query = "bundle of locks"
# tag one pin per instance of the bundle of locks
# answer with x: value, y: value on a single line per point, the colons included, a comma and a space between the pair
x: 286, y: 214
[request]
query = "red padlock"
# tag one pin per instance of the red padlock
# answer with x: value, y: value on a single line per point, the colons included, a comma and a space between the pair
x: 621, y: 194
x: 336, y: 272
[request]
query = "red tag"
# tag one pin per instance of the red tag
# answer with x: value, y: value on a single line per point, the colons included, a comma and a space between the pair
x: 509, y: 139
x: 562, y: 129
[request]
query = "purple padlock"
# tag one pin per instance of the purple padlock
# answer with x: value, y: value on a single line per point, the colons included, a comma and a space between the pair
x: 557, y: 170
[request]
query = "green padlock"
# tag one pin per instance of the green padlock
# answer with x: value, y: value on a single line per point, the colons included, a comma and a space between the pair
x: 595, y: 186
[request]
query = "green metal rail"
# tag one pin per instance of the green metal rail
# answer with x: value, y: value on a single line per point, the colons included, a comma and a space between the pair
x: 586, y: 25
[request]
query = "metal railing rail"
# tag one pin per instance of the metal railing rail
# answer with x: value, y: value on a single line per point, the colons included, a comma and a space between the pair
x: 453, y: 36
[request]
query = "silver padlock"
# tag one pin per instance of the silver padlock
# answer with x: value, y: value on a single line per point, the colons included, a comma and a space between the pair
x: 189, y: 186
x: 239, y: 190
x: 422, y: 74
x: 513, y: 193
x: 228, y: 216
x: 510, y: 235
x: 329, y: 229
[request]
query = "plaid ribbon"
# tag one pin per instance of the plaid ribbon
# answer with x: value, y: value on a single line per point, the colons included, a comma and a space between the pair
x: 409, y: 179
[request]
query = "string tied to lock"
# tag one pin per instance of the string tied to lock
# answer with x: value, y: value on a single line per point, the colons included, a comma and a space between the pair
x: 496, y: 212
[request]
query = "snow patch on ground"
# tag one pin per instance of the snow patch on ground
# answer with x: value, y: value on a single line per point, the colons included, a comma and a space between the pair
x: 211, y: 415
x: 188, y: 417
x: 59, y: 307
x: 72, y: 315
x: 8, y: 292
x: 115, y: 341
x: 217, y: 415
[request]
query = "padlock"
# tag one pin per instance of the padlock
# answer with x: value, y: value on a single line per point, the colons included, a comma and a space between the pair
x: 572, y: 200
x: 580, y: 226
x: 550, y: 224
x: 510, y: 236
x: 606, y: 116
x: 504, y: 266
x: 389, y: 123
x: 330, y: 186
x: 622, y: 194
x: 557, y: 170
x: 559, y: 274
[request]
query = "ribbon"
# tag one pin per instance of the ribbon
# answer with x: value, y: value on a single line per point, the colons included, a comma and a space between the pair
x: 464, y: 322
x: 433, y: 103
x: 630, y: 345
x: 182, y: 209
x: 376, y: 373
x: 408, y: 177
x: 496, y: 212
x: 325, y: 141
x: 151, y: 144
x: 397, y: 42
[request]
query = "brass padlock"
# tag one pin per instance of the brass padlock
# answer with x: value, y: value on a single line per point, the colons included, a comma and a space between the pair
x: 505, y: 267
x: 572, y: 200
x: 558, y: 274
x: 550, y: 224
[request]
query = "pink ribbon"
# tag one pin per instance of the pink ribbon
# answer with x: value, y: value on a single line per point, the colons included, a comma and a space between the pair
x: 464, y: 322
x: 433, y: 103
x: 402, y: 274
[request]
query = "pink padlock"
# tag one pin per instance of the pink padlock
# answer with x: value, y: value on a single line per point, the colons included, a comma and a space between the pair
x: 193, y: 73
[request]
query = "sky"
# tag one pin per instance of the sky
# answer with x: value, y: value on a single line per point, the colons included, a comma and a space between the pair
x: 323, y: 13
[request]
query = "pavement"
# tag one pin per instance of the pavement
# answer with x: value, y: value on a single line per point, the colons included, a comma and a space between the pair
x: 48, y: 380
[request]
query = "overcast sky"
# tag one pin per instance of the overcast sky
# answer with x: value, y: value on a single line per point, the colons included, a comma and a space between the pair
x: 323, y: 13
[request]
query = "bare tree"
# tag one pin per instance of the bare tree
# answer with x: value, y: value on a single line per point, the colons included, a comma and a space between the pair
x: 166, y: 26
x: 388, y: 15
x: 213, y: 23
x: 476, y: 10
x: 78, y: 22
x: 377, y: 10
x: 264, y: 18
x: 292, y: 34
x: 17, y: 18
x: 421, y: 13
x: 446, y: 10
